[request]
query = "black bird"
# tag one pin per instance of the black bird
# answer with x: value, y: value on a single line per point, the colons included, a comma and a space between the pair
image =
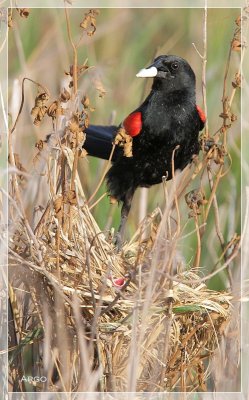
x: 168, y: 120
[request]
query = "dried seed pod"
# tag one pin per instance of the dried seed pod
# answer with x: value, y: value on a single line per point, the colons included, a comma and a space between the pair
x: 208, y: 144
x: 124, y: 140
x: 73, y: 126
x: 40, y: 109
x: 65, y: 95
x: 38, y: 113
x: 238, y: 21
x: 233, y: 117
x: 216, y: 151
x: 75, y: 133
x: 86, y: 122
x: 83, y: 120
x: 58, y: 206
x: 236, y: 45
x: 10, y: 19
x: 128, y: 148
x: 41, y: 99
x: 75, y: 137
x: 195, y: 199
x: 237, y: 81
x: 86, y: 103
x: 221, y: 153
x: 23, y: 12
x: 39, y: 145
x: 89, y: 22
x: 70, y: 197
x: 54, y: 109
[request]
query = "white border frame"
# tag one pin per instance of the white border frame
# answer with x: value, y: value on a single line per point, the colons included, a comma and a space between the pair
x: 245, y: 180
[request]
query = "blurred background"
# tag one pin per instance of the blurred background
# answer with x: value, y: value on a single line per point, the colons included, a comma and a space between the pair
x: 126, y: 40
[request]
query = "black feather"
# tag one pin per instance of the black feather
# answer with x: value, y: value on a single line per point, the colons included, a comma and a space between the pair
x: 170, y: 125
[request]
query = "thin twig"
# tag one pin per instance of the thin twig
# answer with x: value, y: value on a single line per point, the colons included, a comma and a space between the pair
x: 232, y: 256
x: 175, y: 194
x: 216, y: 211
x: 213, y: 193
x: 22, y: 100
x: 75, y: 54
x: 198, y: 251
x: 104, y: 174
x: 97, y: 201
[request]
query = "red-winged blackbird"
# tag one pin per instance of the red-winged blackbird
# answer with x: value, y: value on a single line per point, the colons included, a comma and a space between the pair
x: 167, y: 120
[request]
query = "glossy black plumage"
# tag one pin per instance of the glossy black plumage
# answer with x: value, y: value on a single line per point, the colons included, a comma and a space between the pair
x: 170, y: 119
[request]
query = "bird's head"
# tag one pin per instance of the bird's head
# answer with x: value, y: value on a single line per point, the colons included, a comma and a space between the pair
x: 171, y: 72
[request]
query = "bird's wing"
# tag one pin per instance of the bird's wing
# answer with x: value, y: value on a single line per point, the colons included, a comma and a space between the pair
x: 133, y: 123
x: 202, y: 117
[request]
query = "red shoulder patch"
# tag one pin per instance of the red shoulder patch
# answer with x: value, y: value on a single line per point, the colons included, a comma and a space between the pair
x: 133, y: 123
x: 201, y: 114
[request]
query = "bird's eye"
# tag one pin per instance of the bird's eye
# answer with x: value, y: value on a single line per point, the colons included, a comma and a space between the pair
x: 174, y: 65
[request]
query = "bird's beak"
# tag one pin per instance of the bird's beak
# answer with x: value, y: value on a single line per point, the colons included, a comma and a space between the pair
x: 149, y: 72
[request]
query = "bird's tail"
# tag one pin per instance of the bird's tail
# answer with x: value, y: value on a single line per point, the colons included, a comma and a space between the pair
x: 99, y: 140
